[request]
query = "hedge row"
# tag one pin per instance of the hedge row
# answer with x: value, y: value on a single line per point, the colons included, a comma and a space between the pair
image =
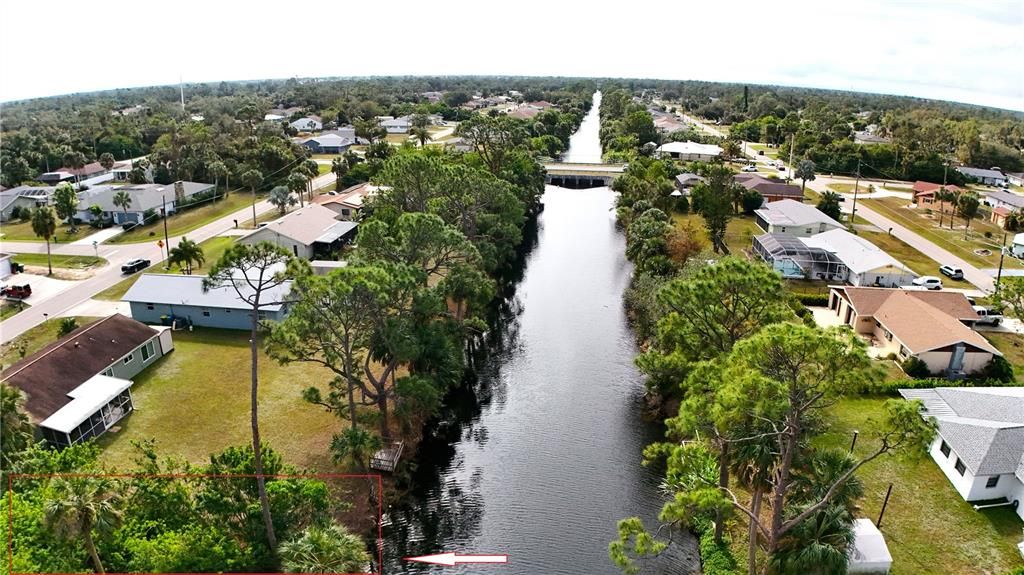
x: 891, y: 387
x: 813, y: 299
x: 716, y: 559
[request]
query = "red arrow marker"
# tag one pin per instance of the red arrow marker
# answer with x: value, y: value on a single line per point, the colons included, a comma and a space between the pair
x: 453, y: 559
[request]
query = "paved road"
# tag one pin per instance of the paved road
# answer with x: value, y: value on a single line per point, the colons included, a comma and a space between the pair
x: 116, y: 254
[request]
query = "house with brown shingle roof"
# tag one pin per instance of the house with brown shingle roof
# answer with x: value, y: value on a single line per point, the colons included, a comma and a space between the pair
x: 80, y: 386
x: 933, y: 326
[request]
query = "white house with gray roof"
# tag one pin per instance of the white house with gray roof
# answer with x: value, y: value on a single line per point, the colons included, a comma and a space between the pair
x: 794, y: 218
x: 1008, y: 200
x: 307, y: 232
x: 983, y: 176
x: 144, y: 197
x: 980, y: 444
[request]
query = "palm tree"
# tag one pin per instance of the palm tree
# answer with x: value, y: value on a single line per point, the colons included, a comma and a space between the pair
x: 297, y: 182
x: 76, y: 161
x: 252, y: 179
x: 80, y: 507
x: 187, y: 253
x: 282, y: 198
x: 339, y: 167
x: 122, y: 199
x: 107, y: 160
x: 330, y: 549
x: 356, y: 444
x: 312, y: 171
x: 44, y: 225
x: 218, y: 170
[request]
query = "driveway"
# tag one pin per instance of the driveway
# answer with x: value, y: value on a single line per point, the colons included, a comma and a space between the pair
x: 56, y: 303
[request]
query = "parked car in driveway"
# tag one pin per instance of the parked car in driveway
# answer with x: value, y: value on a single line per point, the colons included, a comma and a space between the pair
x: 16, y: 292
x: 928, y: 282
x: 749, y: 169
x: 135, y: 265
x: 952, y: 272
x: 987, y: 316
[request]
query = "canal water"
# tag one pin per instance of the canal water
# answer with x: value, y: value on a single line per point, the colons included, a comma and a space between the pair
x: 540, y: 457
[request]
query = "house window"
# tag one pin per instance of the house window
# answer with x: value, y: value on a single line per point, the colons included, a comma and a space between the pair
x: 809, y: 231
x: 109, y: 372
x: 128, y: 358
x: 992, y: 482
x: 147, y: 351
x: 944, y: 448
x: 206, y: 313
x: 960, y: 467
x: 346, y: 212
x: 149, y: 306
x: 888, y: 335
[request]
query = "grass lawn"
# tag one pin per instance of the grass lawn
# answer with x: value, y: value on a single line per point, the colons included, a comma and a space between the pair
x: 925, y: 225
x: 187, y: 220
x: 772, y: 153
x: 60, y: 261
x: 323, y: 168
x: 396, y: 139
x: 325, y: 156
x: 913, y: 259
x: 268, y: 216
x: 22, y: 231
x: 195, y: 401
x: 213, y: 248
x: 35, y: 339
x: 929, y: 528
x: 1012, y: 346
x: 738, y: 234
x: 9, y: 308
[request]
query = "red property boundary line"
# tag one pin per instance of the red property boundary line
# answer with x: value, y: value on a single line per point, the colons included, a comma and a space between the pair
x: 10, y: 506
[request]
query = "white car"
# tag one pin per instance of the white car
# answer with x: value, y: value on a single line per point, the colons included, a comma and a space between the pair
x: 928, y: 282
x: 749, y: 169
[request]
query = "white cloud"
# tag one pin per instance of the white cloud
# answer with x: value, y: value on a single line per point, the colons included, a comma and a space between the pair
x: 944, y: 50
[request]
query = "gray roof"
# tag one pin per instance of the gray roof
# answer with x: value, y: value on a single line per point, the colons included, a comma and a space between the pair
x: 306, y: 225
x: 983, y: 425
x: 37, y: 193
x: 173, y: 289
x: 1011, y: 198
x: 980, y: 173
x: 144, y: 196
x: 331, y: 140
x: 688, y: 178
x: 789, y: 212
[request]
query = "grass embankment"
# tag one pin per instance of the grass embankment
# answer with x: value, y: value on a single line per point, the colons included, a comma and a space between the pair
x: 213, y: 248
x: 187, y: 220
x: 926, y: 225
x: 738, y: 234
x: 60, y: 261
x: 195, y: 401
x: 22, y: 232
x: 35, y: 339
x: 9, y: 308
x: 928, y: 527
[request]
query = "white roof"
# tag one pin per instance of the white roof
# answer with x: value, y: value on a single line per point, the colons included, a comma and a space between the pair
x: 86, y: 399
x: 176, y: 289
x: 789, y: 212
x: 856, y: 253
x: 690, y: 148
x: 306, y: 225
x: 869, y: 553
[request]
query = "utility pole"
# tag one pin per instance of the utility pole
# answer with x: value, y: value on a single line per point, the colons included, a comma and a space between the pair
x: 167, y: 240
x: 181, y: 88
x: 1002, y: 252
x: 856, y: 186
x: 792, y: 140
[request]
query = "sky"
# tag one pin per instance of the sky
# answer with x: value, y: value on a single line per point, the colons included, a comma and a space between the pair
x: 967, y: 51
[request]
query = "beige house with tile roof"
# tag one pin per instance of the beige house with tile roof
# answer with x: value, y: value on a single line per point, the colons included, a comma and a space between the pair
x: 933, y: 326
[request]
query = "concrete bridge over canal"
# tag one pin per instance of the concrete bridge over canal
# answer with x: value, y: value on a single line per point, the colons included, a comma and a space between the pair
x: 579, y: 175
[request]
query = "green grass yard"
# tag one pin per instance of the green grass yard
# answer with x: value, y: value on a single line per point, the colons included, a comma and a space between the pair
x: 927, y: 226
x: 929, y: 528
x: 1012, y: 346
x: 60, y: 261
x: 213, y: 248
x: 195, y: 401
x: 9, y: 308
x: 187, y: 220
x: 738, y: 234
x: 22, y: 232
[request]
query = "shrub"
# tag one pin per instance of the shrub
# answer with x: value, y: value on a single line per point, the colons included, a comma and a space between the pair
x: 16, y: 213
x: 813, y: 299
x: 915, y: 368
x: 66, y: 326
x: 998, y: 369
x: 891, y: 387
x: 988, y: 235
x: 716, y: 559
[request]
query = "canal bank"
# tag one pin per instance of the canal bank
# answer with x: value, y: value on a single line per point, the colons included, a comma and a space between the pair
x: 540, y: 456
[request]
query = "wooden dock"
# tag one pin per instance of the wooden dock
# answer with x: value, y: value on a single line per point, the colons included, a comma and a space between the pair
x: 386, y: 458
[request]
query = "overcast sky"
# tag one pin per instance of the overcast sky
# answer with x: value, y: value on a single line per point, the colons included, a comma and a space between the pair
x: 968, y: 51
